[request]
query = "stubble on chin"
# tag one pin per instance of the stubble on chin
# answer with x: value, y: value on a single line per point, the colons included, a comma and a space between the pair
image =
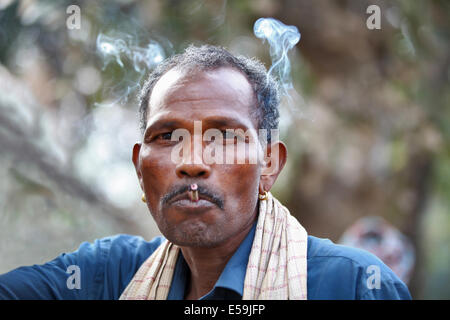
x: 194, y: 234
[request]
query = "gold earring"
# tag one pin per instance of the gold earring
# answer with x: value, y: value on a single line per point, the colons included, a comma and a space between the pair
x: 263, y: 196
x: 143, y: 198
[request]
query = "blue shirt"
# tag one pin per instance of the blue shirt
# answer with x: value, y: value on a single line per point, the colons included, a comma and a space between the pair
x: 108, y: 265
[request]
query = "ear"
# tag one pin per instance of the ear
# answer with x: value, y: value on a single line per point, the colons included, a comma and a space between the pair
x: 137, y: 163
x: 275, y: 159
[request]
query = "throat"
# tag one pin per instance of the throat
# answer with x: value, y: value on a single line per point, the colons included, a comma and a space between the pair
x: 197, y: 287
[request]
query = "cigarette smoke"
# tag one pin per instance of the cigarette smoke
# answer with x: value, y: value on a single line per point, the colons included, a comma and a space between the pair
x: 116, y: 49
x: 281, y: 38
x: 133, y: 61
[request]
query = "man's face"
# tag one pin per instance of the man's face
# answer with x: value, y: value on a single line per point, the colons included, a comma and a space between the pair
x: 220, y: 99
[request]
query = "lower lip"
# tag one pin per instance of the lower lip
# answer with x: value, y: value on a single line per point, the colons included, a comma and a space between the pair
x: 201, y: 204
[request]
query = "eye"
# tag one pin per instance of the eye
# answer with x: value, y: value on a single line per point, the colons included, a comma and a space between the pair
x: 228, y: 134
x: 164, y: 136
x: 231, y: 137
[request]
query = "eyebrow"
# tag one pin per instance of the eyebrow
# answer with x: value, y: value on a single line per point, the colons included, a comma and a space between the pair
x: 216, y: 122
x: 161, y: 125
x: 225, y: 122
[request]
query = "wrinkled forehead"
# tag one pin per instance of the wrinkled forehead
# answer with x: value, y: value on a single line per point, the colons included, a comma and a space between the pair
x: 223, y: 86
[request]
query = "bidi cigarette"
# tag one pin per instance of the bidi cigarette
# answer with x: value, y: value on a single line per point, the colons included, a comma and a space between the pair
x: 193, y: 192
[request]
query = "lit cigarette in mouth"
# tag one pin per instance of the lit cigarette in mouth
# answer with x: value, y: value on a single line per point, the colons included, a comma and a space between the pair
x: 193, y: 193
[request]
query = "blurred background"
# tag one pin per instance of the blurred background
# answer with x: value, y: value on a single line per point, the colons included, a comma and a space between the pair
x: 369, y: 166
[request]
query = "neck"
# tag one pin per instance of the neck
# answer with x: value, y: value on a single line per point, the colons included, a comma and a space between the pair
x: 206, y: 264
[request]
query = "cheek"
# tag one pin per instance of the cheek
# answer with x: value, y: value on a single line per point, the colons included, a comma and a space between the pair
x: 242, y: 187
x: 155, y: 171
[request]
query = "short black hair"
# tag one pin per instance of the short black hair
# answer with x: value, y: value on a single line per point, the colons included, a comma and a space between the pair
x: 208, y: 57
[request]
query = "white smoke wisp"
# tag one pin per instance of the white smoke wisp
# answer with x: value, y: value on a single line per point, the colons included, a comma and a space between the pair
x: 112, y: 48
x: 125, y: 51
x: 282, y: 38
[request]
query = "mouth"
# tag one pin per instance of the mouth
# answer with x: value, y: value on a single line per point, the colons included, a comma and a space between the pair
x: 184, y: 201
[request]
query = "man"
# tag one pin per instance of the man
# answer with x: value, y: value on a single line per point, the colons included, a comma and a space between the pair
x: 225, y: 235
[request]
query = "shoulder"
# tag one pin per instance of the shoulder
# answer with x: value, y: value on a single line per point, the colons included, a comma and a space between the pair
x: 342, y: 272
x: 99, y: 270
x: 119, y: 257
x: 325, y: 248
x: 118, y: 251
x: 124, y: 245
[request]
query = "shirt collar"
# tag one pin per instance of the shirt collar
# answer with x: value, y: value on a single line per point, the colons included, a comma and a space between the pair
x: 233, y: 275
x: 231, y: 278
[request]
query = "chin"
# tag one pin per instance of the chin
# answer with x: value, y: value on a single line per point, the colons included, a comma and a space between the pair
x: 195, y: 234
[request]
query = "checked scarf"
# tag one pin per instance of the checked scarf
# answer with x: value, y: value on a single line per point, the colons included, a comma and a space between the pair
x: 276, y: 267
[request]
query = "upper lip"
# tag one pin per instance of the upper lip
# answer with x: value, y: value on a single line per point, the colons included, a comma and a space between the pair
x: 185, y: 196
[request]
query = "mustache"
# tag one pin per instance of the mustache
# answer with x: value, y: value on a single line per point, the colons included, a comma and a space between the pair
x: 214, y: 197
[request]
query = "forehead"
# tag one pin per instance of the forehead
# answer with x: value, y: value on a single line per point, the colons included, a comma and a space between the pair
x: 194, y: 95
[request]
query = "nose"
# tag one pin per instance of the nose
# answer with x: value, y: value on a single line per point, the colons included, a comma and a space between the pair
x: 193, y: 170
x: 195, y: 167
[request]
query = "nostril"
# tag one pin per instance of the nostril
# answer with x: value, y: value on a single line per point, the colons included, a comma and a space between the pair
x: 196, y: 174
x: 192, y: 171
